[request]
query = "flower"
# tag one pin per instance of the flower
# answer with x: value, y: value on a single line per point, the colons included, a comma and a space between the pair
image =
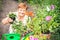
x: 52, y: 7
x: 35, y: 38
x: 31, y: 38
x: 48, y: 9
x: 31, y: 14
x: 27, y: 38
x: 48, y: 18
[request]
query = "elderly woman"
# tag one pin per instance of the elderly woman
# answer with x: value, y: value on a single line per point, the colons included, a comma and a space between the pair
x: 21, y: 15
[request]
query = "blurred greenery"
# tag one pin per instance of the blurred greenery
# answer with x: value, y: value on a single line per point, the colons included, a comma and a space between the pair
x: 45, y: 2
x: 55, y: 36
x: 39, y: 23
x: 18, y: 27
x: 39, y: 7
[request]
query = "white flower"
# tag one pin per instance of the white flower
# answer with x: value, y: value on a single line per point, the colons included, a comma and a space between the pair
x: 48, y: 9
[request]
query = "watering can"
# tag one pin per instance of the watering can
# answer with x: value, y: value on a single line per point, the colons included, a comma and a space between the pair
x: 11, y: 36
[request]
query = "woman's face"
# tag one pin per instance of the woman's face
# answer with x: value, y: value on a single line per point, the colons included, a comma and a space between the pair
x: 21, y: 11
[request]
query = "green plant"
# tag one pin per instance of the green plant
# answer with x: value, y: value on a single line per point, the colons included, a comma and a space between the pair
x: 18, y: 27
x: 55, y: 36
x: 42, y: 2
x: 12, y: 16
x: 41, y: 22
x: 34, y: 1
